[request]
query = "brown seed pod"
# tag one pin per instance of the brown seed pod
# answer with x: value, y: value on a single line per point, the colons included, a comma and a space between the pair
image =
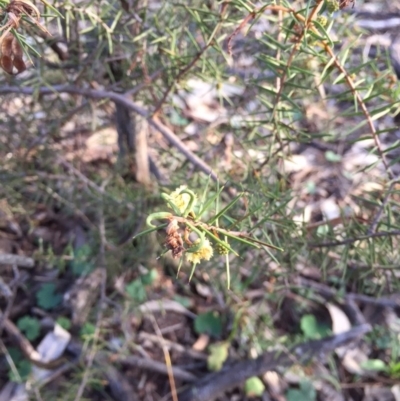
x: 19, y: 7
x: 174, y: 240
x: 11, y: 55
x: 20, y: 65
x: 7, y: 63
x: 6, y: 48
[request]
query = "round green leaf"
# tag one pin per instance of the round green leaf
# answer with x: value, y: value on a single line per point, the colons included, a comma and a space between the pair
x: 30, y: 326
x: 208, y: 323
x: 254, y: 387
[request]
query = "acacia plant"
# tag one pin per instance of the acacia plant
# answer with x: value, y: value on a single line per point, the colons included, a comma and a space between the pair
x: 274, y: 111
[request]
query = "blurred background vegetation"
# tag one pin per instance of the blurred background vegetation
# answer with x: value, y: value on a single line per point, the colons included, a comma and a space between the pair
x: 290, y: 106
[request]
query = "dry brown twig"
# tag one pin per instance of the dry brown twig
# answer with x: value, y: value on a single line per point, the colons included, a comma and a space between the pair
x: 154, y: 339
x: 27, y: 348
x: 167, y: 357
x: 378, y: 215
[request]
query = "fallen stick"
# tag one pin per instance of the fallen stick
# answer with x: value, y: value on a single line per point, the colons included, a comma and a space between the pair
x: 18, y: 260
x: 212, y: 385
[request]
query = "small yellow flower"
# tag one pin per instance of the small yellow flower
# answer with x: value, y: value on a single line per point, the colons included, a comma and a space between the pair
x: 181, y: 201
x: 204, y: 253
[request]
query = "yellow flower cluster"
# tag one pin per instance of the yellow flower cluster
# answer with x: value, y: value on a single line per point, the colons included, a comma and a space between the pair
x: 204, y: 253
x: 181, y: 201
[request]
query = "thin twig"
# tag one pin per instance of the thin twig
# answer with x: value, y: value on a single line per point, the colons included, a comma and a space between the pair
x: 329, y: 293
x: 187, y: 68
x: 148, y: 81
x: 355, y: 239
x: 364, y: 109
x: 10, y: 300
x: 179, y: 77
x: 63, y: 369
x: 378, y: 215
x: 9, y: 360
x: 102, y: 229
x: 94, y: 186
x: 155, y: 366
x: 295, y: 49
x: 96, y: 336
x: 27, y: 348
x: 170, y: 344
x: 167, y: 358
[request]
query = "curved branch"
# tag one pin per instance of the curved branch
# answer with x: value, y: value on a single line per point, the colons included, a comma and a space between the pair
x: 129, y: 104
